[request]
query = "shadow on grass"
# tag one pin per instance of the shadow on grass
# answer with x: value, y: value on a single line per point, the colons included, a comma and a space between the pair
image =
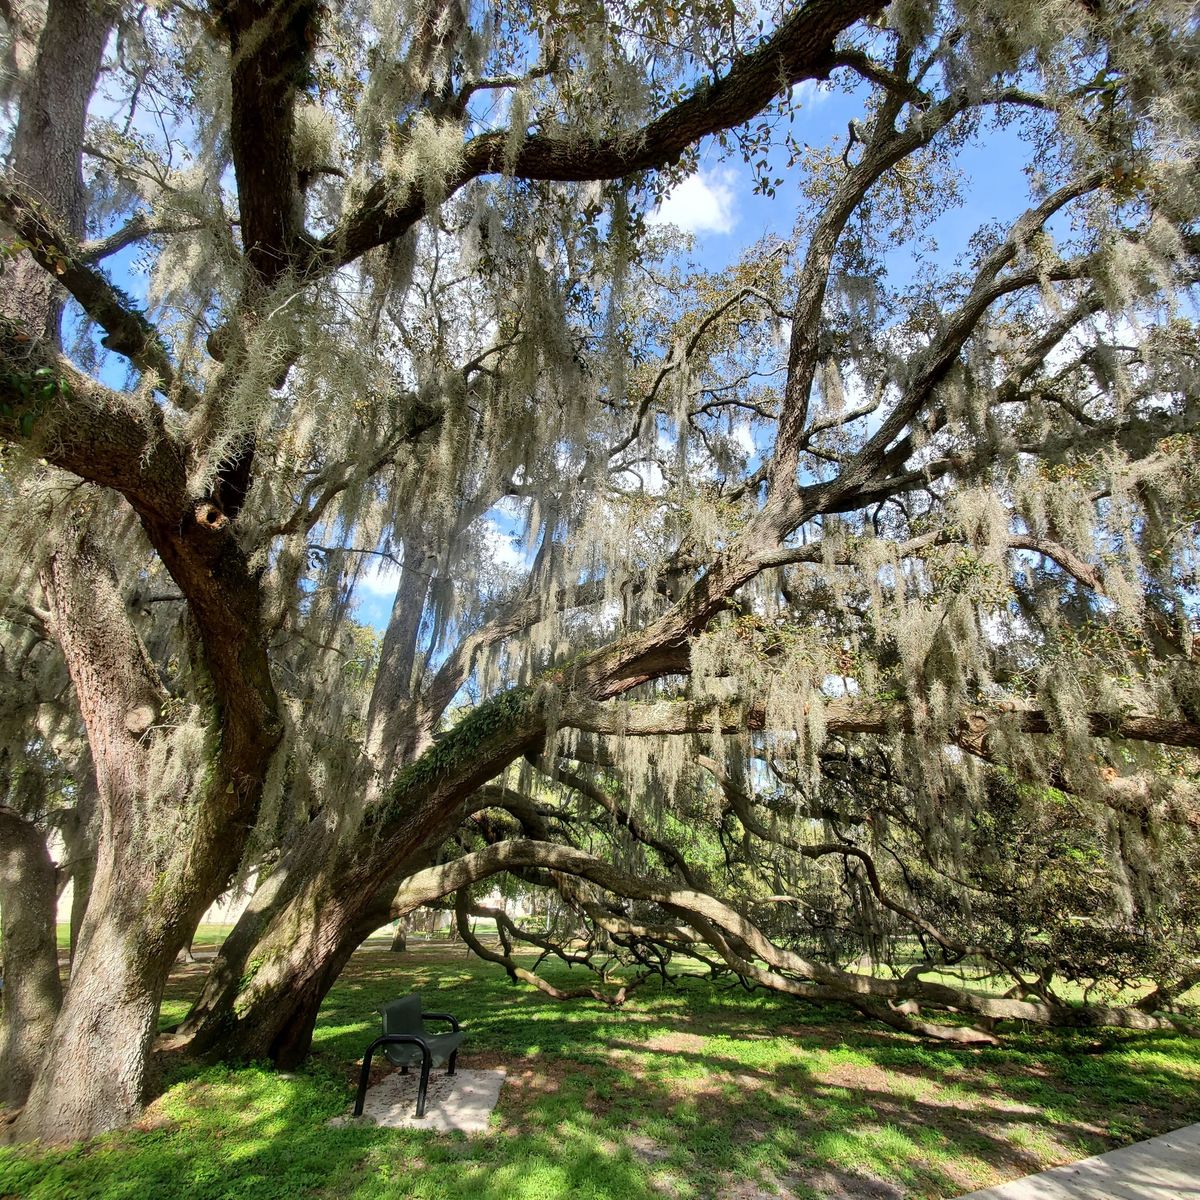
x: 686, y: 1093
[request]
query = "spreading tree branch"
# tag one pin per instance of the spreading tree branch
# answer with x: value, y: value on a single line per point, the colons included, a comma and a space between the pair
x: 799, y: 49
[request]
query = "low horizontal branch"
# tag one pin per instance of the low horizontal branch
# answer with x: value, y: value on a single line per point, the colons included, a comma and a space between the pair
x: 857, y: 715
x: 892, y: 1000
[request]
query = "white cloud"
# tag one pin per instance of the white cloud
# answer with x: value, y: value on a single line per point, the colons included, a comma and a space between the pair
x: 809, y: 93
x: 380, y: 578
x: 504, y: 548
x: 702, y: 203
x: 743, y: 435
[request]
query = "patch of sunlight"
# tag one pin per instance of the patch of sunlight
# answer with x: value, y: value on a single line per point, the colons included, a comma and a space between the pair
x: 668, y: 1066
x: 848, y: 1056
x: 327, y: 1033
x: 957, y: 1094
x: 764, y: 1052
x: 878, y: 1149
x: 532, y: 1180
x: 171, y: 1012
x: 1172, y: 1056
x: 251, y: 1147
x: 1032, y: 1138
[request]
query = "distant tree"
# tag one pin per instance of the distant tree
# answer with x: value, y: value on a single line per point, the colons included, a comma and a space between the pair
x: 835, y: 581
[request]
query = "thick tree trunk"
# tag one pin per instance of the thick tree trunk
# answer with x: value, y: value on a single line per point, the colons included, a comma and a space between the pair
x: 272, y: 1013
x: 164, y: 851
x: 400, y: 937
x: 158, y: 865
x: 212, y: 1015
x: 284, y: 932
x: 213, y: 1023
x: 28, y: 954
x: 46, y: 158
x: 46, y: 144
x: 94, y: 1075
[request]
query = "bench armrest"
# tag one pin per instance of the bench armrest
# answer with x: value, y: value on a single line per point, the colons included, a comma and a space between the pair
x: 454, y: 1025
x: 388, y: 1039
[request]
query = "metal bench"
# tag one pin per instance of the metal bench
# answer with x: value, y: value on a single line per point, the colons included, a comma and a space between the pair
x: 406, y: 1042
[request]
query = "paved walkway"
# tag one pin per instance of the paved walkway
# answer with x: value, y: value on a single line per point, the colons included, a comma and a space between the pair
x: 1164, y: 1168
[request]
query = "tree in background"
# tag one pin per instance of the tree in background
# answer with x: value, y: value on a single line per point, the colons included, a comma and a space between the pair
x: 824, y: 566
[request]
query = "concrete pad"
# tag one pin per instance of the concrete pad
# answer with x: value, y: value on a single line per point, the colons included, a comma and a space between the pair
x: 462, y: 1101
x: 1164, y: 1168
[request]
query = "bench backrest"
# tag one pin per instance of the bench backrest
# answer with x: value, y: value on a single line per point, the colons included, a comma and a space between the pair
x: 403, y: 1015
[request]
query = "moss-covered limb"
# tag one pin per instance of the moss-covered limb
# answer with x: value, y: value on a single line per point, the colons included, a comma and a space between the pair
x: 139, y: 227
x: 424, y: 801
x: 855, y: 715
x: 517, y: 615
x: 798, y: 49
x: 110, y: 438
x: 463, y: 749
x: 333, y: 883
x: 127, y: 331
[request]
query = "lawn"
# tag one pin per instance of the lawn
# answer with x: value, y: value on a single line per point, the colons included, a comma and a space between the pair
x: 690, y: 1092
x: 207, y: 936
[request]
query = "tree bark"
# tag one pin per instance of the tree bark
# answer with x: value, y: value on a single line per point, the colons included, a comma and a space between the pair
x: 389, y: 739
x: 46, y: 145
x: 162, y: 858
x: 79, y: 840
x: 212, y: 1013
x: 400, y: 937
x: 28, y: 954
x: 168, y: 842
x: 274, y: 930
x: 94, y: 1074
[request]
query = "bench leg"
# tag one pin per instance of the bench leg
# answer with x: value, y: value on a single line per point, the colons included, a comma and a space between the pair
x: 422, y: 1088
x: 450, y: 1066
x: 403, y: 1070
x: 364, y: 1078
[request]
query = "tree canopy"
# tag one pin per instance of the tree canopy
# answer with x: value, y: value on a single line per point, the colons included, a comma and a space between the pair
x: 848, y: 641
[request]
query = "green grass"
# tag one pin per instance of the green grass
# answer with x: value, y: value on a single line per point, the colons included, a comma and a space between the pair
x: 207, y: 936
x: 692, y: 1092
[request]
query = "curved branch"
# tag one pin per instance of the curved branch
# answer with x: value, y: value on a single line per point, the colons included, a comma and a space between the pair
x: 891, y: 1000
x: 742, y: 807
x: 463, y: 910
x: 138, y: 226
x: 799, y: 49
x: 58, y: 253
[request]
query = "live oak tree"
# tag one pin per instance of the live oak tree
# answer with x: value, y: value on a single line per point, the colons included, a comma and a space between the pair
x: 836, y: 583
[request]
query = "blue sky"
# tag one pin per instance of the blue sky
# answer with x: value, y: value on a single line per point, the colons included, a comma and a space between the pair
x: 717, y: 204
